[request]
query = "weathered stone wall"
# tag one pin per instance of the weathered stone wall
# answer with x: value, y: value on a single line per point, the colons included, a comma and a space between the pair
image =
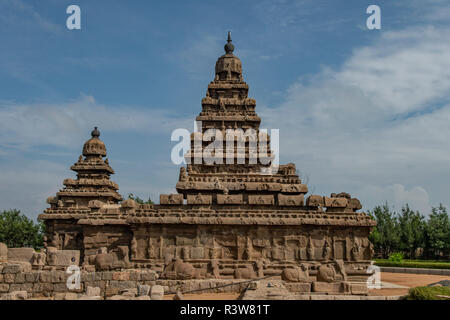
x: 54, y: 283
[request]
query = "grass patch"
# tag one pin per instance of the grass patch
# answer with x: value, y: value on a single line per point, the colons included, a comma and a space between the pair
x: 428, y: 293
x: 413, y: 264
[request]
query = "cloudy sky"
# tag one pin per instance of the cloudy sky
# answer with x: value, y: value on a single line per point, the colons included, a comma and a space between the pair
x: 362, y: 111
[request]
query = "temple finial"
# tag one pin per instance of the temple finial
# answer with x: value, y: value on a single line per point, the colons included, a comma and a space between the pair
x: 95, y: 133
x: 229, y: 47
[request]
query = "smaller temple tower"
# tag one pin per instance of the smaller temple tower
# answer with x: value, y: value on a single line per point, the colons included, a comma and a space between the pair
x: 92, y: 186
x: 93, y: 178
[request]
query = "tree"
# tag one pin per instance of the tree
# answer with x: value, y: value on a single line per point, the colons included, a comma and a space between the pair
x: 437, y: 232
x: 411, y: 227
x: 17, y: 230
x: 385, y: 236
x: 139, y: 200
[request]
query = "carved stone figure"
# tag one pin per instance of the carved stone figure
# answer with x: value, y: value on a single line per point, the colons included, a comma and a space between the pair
x: 310, y: 250
x: 295, y: 274
x: 133, y: 248
x: 326, y: 250
x: 356, y: 250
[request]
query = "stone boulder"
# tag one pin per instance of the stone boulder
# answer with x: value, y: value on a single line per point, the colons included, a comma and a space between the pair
x: 16, y: 267
x: 295, y: 274
x: 245, y: 273
x: 157, y: 292
x: 21, y: 254
x: 16, y: 295
x: 112, y: 260
x: 62, y: 258
x: 177, y: 269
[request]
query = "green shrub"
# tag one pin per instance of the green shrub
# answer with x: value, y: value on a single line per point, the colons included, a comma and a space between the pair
x: 413, y: 264
x: 396, y: 257
x: 428, y: 293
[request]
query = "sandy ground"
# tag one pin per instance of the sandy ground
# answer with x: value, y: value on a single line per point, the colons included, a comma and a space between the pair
x: 405, y: 279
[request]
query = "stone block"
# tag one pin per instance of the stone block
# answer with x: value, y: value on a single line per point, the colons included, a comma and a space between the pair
x: 16, y: 268
x: 20, y: 278
x: 199, y: 199
x: 157, y: 292
x: 119, y: 297
x: 59, y: 296
x: 335, y: 202
x: 294, y: 188
x: 143, y: 298
x: 63, y: 258
x: 358, y: 288
x: 47, y: 287
x: 327, y: 287
x: 178, y: 296
x: 346, y: 297
x: 26, y: 287
x: 21, y: 254
x: 17, y: 295
x: 60, y: 287
x: 106, y: 275
x: 322, y: 297
x: 88, y: 276
x: 354, y: 204
x: 148, y: 275
x: 301, y: 297
x: 122, y: 284
x: 4, y: 287
x: 134, y: 275
x: 300, y: 287
x: 315, y: 201
x: 290, y: 200
x: 229, y: 199
x: 31, y: 276
x: 14, y: 287
x: 373, y: 298
x: 143, y: 290
x: 59, y: 276
x: 122, y: 275
x: 9, y: 278
x: 261, y: 199
x: 45, y: 276
x: 92, y: 291
x: 198, y: 253
x: 37, y: 287
x: 70, y: 296
x: 85, y: 297
x: 171, y: 199
x: 111, y: 291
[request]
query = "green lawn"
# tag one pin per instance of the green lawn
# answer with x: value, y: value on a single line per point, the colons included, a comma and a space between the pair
x: 429, y: 293
x: 432, y: 264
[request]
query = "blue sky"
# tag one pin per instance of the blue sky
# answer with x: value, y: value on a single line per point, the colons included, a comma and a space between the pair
x: 362, y: 111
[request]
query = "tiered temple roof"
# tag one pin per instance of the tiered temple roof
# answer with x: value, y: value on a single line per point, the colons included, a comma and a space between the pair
x: 92, y: 182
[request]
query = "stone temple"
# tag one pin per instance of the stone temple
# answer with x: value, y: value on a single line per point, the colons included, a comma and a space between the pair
x: 226, y: 221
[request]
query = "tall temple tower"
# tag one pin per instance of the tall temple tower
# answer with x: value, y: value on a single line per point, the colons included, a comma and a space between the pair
x: 232, y: 217
x: 228, y: 111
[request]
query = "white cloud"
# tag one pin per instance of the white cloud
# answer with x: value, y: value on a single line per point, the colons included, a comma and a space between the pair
x: 381, y: 119
x: 25, y: 125
x: 397, y: 197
